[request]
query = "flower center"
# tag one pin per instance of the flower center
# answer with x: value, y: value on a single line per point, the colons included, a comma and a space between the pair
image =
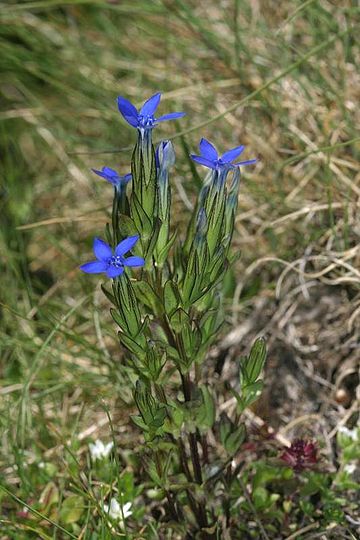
x: 146, y: 121
x: 116, y: 261
x: 220, y: 164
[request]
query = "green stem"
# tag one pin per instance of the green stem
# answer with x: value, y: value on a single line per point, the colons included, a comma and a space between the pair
x: 198, y: 509
x: 201, y: 516
x: 195, y: 458
x: 204, y: 446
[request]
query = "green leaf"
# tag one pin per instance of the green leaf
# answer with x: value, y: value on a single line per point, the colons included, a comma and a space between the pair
x: 154, y: 361
x: 143, y: 170
x: 225, y: 427
x: 235, y: 439
x: 260, y: 498
x: 152, y: 243
x: 211, y: 321
x: 146, y: 295
x: 108, y: 234
x: 72, y: 509
x: 132, y: 346
x: 141, y: 219
x: 207, y: 411
x: 266, y: 473
x: 256, y: 360
x: 189, y: 279
x: 175, y: 419
x: 251, y: 392
x: 306, y: 507
x: 171, y: 297
x: 139, y: 422
x: 191, y: 338
x: 128, y: 314
x: 159, y: 417
x: 126, y: 226
x: 231, y: 437
x: 216, y: 213
x: 151, y: 470
x: 178, y: 320
x: 119, y: 319
x: 163, y: 253
x: 152, y: 412
x: 316, y: 483
x: 334, y: 513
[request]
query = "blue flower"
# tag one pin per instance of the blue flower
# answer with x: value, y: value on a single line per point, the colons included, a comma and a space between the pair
x: 144, y: 119
x: 112, y: 263
x: 210, y: 158
x: 113, y: 177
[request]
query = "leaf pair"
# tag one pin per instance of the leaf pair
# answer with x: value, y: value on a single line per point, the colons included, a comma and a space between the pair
x: 250, y: 369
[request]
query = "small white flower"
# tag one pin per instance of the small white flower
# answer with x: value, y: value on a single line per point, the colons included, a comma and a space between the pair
x: 116, y: 512
x: 350, y: 468
x: 99, y: 450
x: 351, y: 433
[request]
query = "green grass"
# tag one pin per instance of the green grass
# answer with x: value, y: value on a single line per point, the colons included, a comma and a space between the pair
x: 280, y: 79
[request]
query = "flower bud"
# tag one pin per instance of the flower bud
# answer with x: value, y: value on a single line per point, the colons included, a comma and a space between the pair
x: 165, y: 158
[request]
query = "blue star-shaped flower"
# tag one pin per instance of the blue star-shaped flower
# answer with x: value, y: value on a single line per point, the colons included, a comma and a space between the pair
x: 112, y: 263
x: 144, y: 119
x: 210, y: 158
x: 113, y: 177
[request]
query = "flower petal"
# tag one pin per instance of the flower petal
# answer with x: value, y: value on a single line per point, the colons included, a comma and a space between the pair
x: 203, y: 161
x: 151, y: 105
x: 208, y: 150
x: 101, y: 249
x: 134, y: 261
x: 232, y: 154
x: 248, y: 162
x: 99, y: 173
x: 126, y: 509
x: 170, y: 116
x: 126, y: 178
x: 109, y: 174
x: 126, y: 245
x: 94, y: 267
x: 109, y: 171
x: 114, y: 271
x: 128, y: 111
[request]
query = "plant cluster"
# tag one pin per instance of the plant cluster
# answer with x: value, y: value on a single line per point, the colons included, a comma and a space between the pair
x: 171, y: 314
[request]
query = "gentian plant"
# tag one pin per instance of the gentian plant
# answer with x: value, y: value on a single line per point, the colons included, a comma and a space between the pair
x: 167, y: 293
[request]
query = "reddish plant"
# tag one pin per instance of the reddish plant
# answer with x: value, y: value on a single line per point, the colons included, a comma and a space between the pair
x: 301, y: 455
